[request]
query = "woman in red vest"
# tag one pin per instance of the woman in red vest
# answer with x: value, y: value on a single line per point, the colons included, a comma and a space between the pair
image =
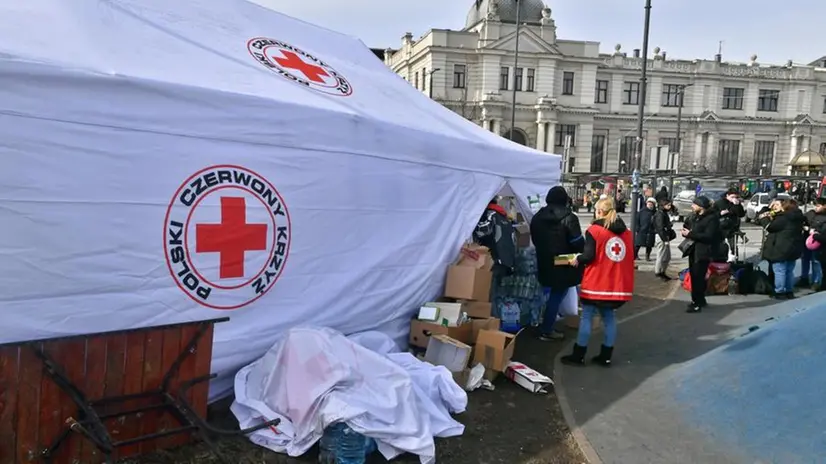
x: 607, y: 281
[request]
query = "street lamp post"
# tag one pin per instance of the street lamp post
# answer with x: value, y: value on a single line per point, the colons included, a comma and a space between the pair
x: 635, y: 177
x: 432, y: 71
x: 680, y: 101
x: 515, y: 66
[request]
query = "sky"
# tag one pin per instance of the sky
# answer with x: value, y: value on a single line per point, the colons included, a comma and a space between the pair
x: 776, y: 31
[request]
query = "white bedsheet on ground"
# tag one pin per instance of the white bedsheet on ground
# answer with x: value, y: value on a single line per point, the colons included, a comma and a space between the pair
x: 313, y: 377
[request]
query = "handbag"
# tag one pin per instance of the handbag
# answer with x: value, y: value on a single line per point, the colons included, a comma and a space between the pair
x: 811, y: 243
x: 686, y: 246
x: 672, y: 234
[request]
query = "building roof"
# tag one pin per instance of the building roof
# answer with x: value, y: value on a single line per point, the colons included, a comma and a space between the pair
x: 807, y: 158
x: 530, y: 11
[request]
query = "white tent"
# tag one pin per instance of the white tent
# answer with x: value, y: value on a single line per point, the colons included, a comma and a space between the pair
x: 165, y: 161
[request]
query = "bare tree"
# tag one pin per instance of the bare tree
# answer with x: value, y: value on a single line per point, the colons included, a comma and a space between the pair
x: 467, y: 108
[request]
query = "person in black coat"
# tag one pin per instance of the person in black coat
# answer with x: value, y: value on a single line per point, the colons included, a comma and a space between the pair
x: 644, y: 232
x: 664, y: 230
x: 495, y: 231
x: 702, y: 229
x: 731, y: 212
x: 784, y: 243
x: 555, y: 231
x: 815, y: 221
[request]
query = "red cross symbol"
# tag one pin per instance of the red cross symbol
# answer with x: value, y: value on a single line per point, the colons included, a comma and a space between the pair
x: 232, y: 237
x: 616, y: 249
x: 293, y: 61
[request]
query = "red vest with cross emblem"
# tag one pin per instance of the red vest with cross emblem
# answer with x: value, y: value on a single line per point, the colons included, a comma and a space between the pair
x: 610, y: 277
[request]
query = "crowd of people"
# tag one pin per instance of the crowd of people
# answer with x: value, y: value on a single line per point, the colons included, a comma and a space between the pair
x: 605, y: 253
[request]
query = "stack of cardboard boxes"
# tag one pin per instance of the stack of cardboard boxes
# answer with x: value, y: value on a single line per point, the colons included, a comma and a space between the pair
x: 463, y: 318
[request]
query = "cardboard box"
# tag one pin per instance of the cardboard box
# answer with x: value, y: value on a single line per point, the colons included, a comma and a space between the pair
x: 528, y: 378
x: 448, y: 352
x: 468, y: 283
x: 470, y: 278
x: 445, y: 312
x: 478, y: 309
x: 489, y: 323
x: 420, y: 332
x: 494, y: 349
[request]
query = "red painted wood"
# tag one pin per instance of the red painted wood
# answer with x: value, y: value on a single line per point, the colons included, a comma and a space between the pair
x: 203, y: 362
x: 28, y: 405
x: 93, y: 386
x: 8, y: 404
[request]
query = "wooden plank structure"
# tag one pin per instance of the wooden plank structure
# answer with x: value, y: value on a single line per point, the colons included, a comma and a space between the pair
x: 107, y: 396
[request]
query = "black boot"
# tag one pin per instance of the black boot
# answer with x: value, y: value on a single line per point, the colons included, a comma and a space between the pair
x: 576, y: 358
x: 604, y: 357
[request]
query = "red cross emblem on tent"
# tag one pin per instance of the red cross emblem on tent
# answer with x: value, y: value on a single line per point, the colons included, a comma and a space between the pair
x: 615, y: 249
x: 232, y: 238
x: 298, y: 66
x: 227, y: 236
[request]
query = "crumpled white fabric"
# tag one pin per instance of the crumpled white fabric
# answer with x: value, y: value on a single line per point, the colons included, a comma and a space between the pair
x: 313, y: 377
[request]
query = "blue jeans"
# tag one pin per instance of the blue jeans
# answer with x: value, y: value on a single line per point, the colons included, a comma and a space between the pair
x: 552, y: 303
x: 783, y: 277
x: 609, y: 322
x: 807, y: 261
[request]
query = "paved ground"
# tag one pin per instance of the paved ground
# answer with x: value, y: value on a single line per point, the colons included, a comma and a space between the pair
x: 626, y: 414
x: 509, y: 425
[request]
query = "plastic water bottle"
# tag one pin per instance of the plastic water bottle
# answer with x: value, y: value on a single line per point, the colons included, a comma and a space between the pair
x: 732, y: 285
x: 342, y: 445
x: 511, y: 316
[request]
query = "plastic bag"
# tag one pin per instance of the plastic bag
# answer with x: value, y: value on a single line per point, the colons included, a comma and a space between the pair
x: 570, y: 304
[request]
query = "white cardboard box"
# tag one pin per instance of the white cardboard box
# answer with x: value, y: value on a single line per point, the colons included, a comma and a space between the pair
x: 445, y: 351
x: 527, y: 378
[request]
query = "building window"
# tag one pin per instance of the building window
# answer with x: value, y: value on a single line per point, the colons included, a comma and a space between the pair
x: 728, y: 152
x: 504, y: 78
x: 416, y: 80
x: 459, y: 76
x: 823, y: 148
x: 672, y: 95
x: 562, y: 131
x: 531, y: 80
x: 763, y: 156
x: 631, y: 93
x: 733, y: 98
x: 517, y: 79
x: 567, y: 83
x: 601, y: 94
x: 671, y: 143
x: 824, y: 105
x: 767, y: 101
x: 597, y: 153
x: 628, y: 146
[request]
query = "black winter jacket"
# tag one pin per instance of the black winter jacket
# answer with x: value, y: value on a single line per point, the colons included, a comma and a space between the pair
x: 705, y: 231
x: 644, y: 235
x: 784, y: 236
x: 589, y: 254
x: 662, y: 225
x: 729, y: 222
x: 495, y: 231
x: 815, y: 220
x: 555, y: 231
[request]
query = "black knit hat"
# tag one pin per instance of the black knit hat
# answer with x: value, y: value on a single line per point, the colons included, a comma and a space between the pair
x: 557, y: 196
x: 702, y: 202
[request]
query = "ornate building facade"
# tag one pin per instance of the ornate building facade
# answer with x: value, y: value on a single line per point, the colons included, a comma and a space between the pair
x: 737, y: 118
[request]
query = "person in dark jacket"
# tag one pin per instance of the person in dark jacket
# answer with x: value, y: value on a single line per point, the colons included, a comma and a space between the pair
x: 731, y: 211
x: 607, y: 283
x: 555, y: 231
x: 815, y: 221
x: 703, y: 230
x: 495, y: 231
x: 644, y: 232
x: 664, y: 231
x: 784, y: 243
x: 662, y: 195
